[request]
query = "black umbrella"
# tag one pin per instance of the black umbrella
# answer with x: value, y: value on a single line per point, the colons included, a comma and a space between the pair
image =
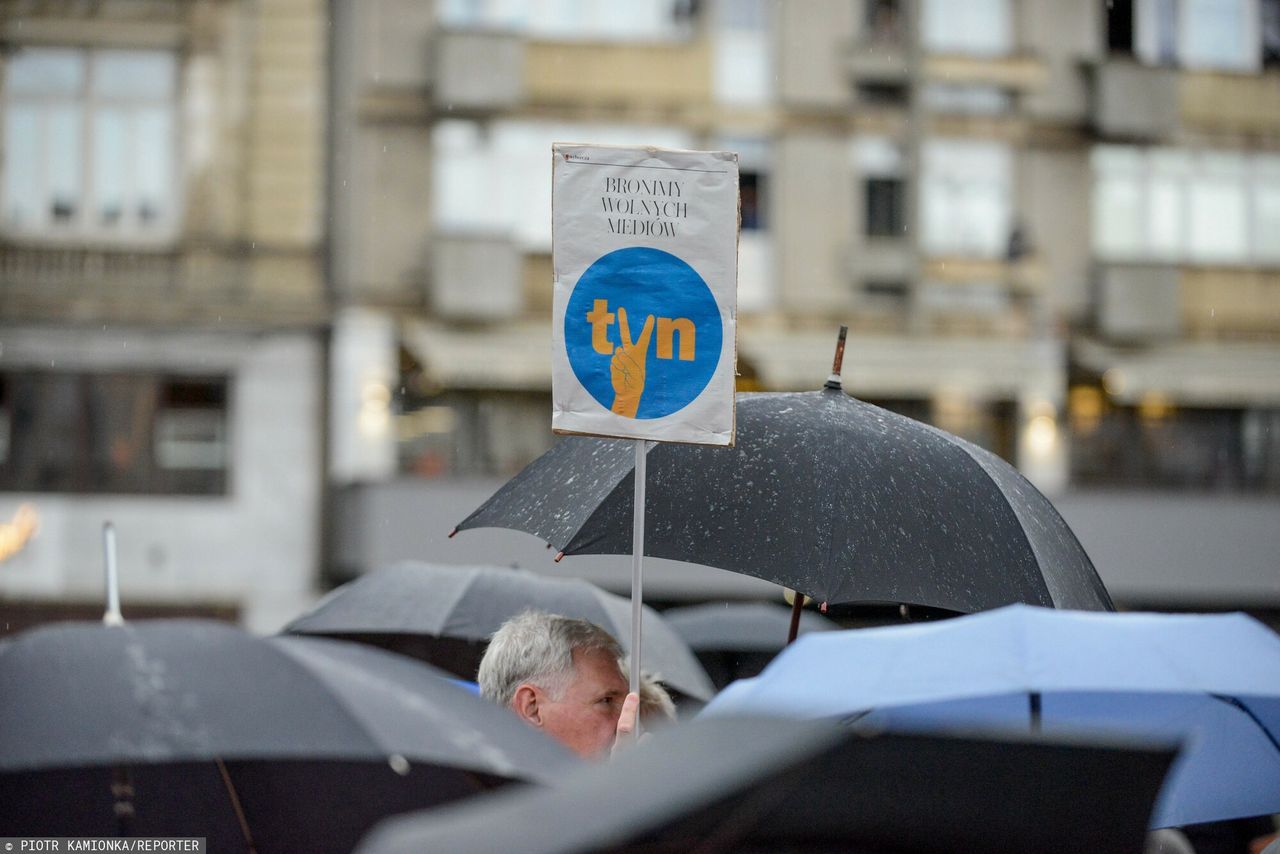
x: 445, y: 615
x: 825, y: 494
x: 777, y: 785
x: 198, y: 729
x: 735, y: 640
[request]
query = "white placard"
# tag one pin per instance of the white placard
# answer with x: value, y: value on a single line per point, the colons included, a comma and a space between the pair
x: 644, y: 321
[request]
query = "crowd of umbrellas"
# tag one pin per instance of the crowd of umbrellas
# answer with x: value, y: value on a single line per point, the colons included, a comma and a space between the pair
x: 1033, y: 717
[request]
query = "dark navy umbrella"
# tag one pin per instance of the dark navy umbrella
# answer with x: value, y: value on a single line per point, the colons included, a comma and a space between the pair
x: 778, y: 785
x: 839, y: 499
x: 445, y: 615
x: 193, y: 728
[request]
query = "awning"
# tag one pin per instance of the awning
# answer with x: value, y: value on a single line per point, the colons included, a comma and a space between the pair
x: 889, y: 366
x: 1205, y: 374
x: 517, y: 356
x: 513, y: 356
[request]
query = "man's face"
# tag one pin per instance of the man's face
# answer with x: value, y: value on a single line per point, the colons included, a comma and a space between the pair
x: 585, y: 717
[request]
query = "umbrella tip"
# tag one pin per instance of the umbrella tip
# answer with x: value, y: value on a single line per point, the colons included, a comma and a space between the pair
x: 558, y: 556
x: 833, y: 381
x: 454, y: 531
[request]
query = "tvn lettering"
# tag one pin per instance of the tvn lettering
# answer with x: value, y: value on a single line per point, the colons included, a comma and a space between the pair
x: 677, y: 336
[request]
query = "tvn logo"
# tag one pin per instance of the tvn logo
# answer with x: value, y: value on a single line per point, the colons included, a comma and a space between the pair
x: 614, y: 365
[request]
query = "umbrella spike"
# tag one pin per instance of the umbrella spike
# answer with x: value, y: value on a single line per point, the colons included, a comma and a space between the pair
x: 454, y: 531
x: 837, y: 363
x: 558, y: 556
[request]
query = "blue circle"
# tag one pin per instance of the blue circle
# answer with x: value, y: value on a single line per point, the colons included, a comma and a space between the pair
x: 644, y: 282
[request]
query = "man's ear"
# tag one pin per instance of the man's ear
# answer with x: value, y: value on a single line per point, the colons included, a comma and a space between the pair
x: 525, y: 704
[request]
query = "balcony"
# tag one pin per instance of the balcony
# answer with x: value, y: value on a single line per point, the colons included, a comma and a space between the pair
x: 476, y: 277
x: 68, y: 273
x: 1223, y: 302
x: 654, y: 74
x: 1138, y: 302
x: 1230, y: 103
x: 1024, y: 276
x: 1021, y: 73
x: 878, y: 62
x: 478, y: 70
x: 1136, y: 101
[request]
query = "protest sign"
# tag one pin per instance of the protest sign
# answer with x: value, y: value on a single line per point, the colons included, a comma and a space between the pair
x: 645, y: 244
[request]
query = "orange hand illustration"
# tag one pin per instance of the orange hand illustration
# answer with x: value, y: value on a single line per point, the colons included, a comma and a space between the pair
x: 626, y: 369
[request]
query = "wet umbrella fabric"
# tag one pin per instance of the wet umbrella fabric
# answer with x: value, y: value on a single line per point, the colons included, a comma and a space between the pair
x: 777, y: 785
x: 825, y: 494
x: 735, y: 640
x: 1213, y: 680
x: 445, y: 615
x: 299, y: 722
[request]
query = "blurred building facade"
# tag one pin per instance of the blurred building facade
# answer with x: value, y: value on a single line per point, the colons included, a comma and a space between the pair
x: 164, y: 304
x: 1052, y: 228
x: 275, y: 275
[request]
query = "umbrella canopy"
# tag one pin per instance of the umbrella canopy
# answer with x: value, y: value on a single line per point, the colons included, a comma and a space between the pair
x: 825, y: 494
x: 446, y: 614
x: 736, y: 640
x: 299, y: 725
x: 1213, y: 681
x: 776, y: 785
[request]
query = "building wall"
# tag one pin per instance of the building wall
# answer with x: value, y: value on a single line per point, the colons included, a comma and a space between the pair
x: 255, y: 548
x: 237, y: 290
x: 983, y: 337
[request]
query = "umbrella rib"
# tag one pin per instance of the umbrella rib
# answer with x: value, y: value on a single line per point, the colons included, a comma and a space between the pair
x: 234, y: 797
x: 1233, y: 701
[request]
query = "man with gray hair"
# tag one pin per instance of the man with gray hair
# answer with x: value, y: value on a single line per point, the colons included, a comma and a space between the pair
x: 562, y: 676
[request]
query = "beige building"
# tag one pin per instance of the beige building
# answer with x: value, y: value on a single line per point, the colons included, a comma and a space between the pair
x: 163, y: 302
x: 1052, y: 228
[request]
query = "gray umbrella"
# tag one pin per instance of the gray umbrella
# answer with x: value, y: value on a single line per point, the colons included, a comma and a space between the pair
x: 737, y: 640
x: 740, y: 626
x: 214, y: 728
x: 445, y: 614
x: 825, y: 494
x: 778, y: 785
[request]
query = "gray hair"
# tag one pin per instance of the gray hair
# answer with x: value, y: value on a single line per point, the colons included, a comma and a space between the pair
x: 537, y: 648
x: 656, y: 705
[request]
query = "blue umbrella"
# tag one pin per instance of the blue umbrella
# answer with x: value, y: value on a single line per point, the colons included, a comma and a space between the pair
x: 1211, y: 681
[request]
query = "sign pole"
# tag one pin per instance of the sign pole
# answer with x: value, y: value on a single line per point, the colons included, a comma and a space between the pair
x: 637, y: 561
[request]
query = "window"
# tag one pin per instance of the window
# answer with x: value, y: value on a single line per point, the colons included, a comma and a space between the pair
x: 882, y: 94
x: 886, y: 207
x: 882, y: 21
x: 966, y: 100
x: 89, y: 143
x: 743, y: 53
x: 1270, y: 23
x: 966, y: 198
x: 1158, y: 444
x: 879, y: 162
x: 751, y: 192
x: 574, y: 19
x: 1173, y: 205
x: 1222, y: 35
x: 113, y: 433
x: 494, y: 178
x: 976, y: 27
